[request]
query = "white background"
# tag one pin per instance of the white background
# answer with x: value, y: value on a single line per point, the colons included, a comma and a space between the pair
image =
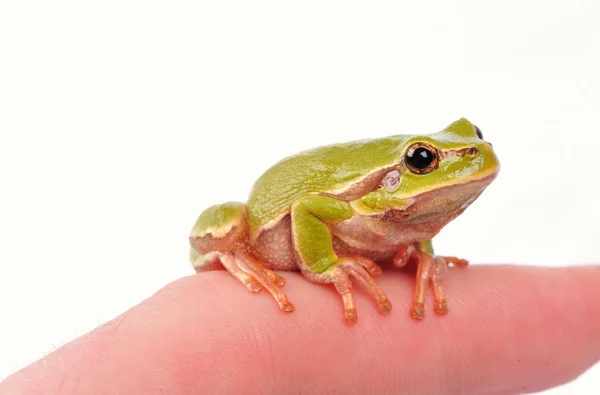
x: 121, y: 120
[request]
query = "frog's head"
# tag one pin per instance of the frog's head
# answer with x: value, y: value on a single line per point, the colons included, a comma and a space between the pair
x: 455, y: 156
x: 438, y: 176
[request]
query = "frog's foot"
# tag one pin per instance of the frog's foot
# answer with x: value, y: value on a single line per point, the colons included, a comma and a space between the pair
x: 362, y: 269
x: 431, y: 269
x: 256, y: 277
x: 405, y: 253
x: 456, y: 262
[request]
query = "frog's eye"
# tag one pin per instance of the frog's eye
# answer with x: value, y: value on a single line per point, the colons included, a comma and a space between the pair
x: 478, y: 131
x: 391, y: 180
x: 421, y: 158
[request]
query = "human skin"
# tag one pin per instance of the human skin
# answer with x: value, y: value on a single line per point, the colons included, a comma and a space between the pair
x: 510, y: 330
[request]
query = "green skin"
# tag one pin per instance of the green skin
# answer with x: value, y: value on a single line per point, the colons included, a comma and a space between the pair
x: 319, y: 208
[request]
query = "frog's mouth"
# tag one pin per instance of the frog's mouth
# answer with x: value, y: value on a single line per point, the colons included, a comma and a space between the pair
x: 443, y: 204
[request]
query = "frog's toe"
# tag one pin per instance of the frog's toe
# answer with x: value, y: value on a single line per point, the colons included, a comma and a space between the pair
x: 287, y: 307
x: 276, y: 278
x: 252, y: 285
x: 441, y: 307
x: 356, y: 269
x: 417, y: 310
x: 256, y: 277
x: 385, y: 307
x: 432, y: 269
x: 228, y: 261
x: 403, y: 256
x: 370, y: 265
x: 456, y: 262
x: 350, y: 316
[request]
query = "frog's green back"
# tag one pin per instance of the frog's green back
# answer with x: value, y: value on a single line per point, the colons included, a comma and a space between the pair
x: 330, y: 169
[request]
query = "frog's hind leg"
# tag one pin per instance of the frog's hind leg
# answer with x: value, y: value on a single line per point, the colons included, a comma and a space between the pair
x: 219, y: 240
x: 223, y: 260
x: 268, y: 279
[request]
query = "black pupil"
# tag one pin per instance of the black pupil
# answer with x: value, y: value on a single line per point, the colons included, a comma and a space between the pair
x: 421, y: 158
x: 478, y: 131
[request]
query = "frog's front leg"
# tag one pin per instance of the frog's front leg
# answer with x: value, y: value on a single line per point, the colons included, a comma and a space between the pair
x: 431, y: 269
x: 311, y: 216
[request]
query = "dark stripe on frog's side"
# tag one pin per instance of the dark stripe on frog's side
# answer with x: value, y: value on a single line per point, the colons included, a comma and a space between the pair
x: 364, y: 186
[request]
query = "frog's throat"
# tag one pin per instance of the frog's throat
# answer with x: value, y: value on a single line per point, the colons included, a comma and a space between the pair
x: 441, y: 205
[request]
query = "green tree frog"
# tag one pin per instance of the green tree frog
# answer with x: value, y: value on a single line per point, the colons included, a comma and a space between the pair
x: 340, y: 211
